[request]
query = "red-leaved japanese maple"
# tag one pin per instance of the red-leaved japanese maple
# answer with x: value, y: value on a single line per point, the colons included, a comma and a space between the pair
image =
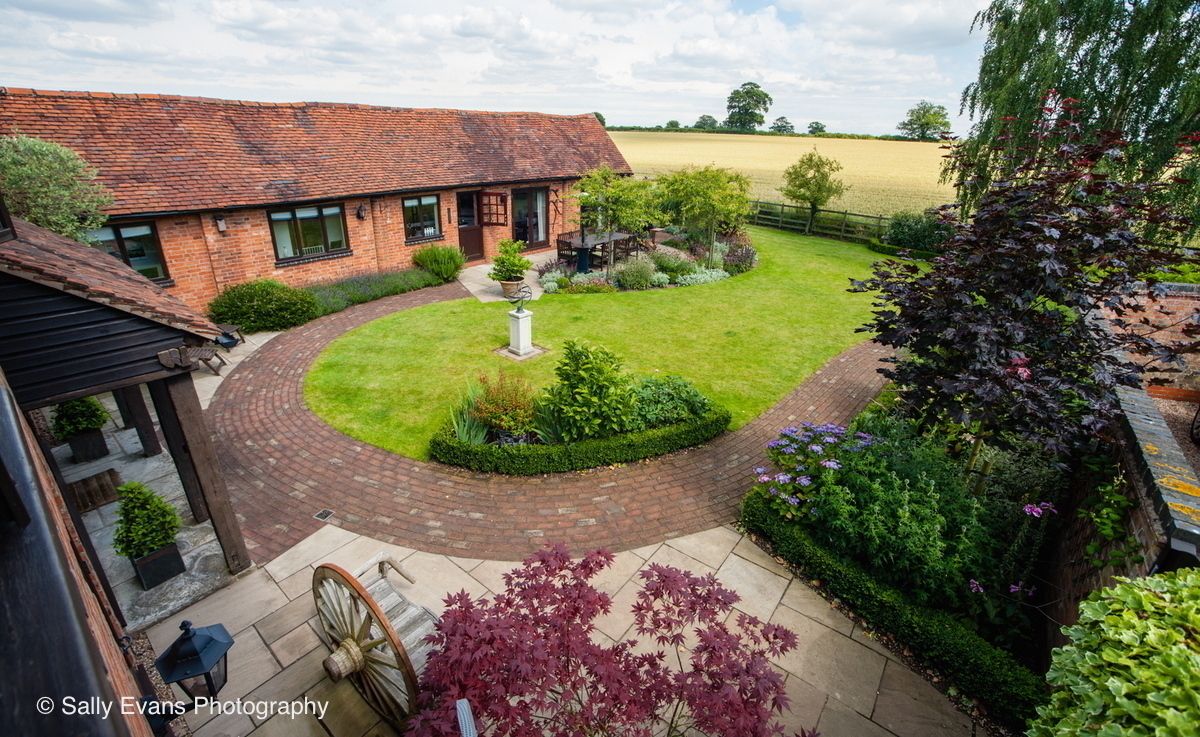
x: 532, y: 663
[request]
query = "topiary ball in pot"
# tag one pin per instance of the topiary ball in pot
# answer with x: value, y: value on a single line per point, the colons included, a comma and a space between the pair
x: 79, y: 423
x: 146, y: 529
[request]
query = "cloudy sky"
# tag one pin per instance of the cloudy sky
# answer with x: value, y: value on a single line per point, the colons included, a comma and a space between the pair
x: 857, y: 65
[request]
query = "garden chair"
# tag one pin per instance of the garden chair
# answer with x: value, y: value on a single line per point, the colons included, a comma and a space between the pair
x: 207, y: 355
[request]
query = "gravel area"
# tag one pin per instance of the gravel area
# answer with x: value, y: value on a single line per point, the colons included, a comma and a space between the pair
x: 144, y: 653
x: 1179, y: 418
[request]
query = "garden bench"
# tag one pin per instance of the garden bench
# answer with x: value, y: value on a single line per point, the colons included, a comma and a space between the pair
x: 376, y: 636
x: 207, y: 355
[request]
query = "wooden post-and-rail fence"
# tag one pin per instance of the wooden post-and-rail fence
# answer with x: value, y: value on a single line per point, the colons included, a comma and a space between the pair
x: 840, y: 224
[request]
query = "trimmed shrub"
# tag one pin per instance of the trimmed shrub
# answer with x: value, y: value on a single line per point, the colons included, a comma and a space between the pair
x: 921, y: 231
x: 741, y: 259
x: 593, y: 397
x: 444, y: 262
x: 672, y: 265
x: 145, y: 521
x: 1133, y: 665
x: 78, y: 415
x: 529, y: 460
x: 336, y: 296
x: 667, y: 400
x: 264, y: 304
x: 635, y: 275
x: 1010, y: 691
x: 702, y: 276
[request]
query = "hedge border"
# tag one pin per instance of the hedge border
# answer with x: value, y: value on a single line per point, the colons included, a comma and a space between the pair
x: 531, y: 460
x: 981, y: 670
x: 887, y: 249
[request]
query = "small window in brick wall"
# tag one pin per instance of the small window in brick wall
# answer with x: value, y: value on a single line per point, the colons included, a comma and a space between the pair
x: 493, y: 208
x: 301, y: 232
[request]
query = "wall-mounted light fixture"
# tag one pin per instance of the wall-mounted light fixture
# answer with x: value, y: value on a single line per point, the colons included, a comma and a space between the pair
x: 222, y: 226
x: 361, y: 212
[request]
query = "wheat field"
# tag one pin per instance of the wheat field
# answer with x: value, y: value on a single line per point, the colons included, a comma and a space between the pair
x: 884, y: 176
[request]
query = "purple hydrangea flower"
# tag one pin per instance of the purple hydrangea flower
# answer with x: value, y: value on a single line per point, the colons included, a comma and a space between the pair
x: 783, y: 478
x: 763, y: 478
x: 817, y: 449
x: 804, y: 480
x: 831, y: 463
x: 975, y: 586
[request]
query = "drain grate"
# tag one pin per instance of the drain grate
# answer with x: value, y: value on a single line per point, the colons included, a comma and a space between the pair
x: 324, y: 514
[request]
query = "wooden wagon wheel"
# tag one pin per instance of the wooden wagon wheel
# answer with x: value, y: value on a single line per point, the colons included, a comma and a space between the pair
x: 365, y: 646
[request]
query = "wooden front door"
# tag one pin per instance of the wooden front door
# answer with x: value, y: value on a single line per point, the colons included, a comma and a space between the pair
x: 470, y: 232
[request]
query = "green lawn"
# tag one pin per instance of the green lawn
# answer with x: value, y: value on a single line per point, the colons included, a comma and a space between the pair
x: 745, y: 341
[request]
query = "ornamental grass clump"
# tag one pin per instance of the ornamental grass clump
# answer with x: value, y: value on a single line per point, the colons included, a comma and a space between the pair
x: 528, y: 661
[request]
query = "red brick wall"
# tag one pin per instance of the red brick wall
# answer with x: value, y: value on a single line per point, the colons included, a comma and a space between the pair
x: 202, y: 261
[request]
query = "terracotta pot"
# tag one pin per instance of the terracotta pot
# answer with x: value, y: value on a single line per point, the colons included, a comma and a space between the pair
x: 159, y: 567
x: 88, y: 445
x: 509, y: 288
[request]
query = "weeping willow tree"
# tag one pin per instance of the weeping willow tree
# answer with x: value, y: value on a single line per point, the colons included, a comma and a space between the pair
x: 1134, y: 65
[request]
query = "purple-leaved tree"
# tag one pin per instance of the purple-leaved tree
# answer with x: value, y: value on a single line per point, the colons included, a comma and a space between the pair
x: 1005, y: 333
x: 532, y: 663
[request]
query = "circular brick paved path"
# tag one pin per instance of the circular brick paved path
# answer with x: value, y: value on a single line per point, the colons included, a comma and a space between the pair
x: 283, y: 465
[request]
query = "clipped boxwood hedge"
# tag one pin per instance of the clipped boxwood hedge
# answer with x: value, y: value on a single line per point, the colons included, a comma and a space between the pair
x: 982, y: 671
x: 529, y: 460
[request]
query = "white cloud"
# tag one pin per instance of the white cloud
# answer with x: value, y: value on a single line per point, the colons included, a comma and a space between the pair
x: 856, y: 64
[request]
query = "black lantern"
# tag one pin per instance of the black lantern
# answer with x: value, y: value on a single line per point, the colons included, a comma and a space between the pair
x: 197, y: 660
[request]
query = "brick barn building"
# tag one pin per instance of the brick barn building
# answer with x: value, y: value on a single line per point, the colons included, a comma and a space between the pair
x: 209, y: 193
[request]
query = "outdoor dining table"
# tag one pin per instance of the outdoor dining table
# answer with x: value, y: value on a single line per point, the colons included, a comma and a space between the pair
x: 594, y: 241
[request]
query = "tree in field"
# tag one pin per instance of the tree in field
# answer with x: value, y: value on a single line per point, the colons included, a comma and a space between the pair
x: 1134, y: 65
x: 747, y: 107
x: 816, y: 127
x: 1003, y: 334
x: 706, y: 122
x: 672, y: 125
x: 707, y: 201
x: 51, y: 186
x: 600, y: 118
x: 782, y: 125
x: 609, y: 201
x: 813, y: 181
x: 925, y: 121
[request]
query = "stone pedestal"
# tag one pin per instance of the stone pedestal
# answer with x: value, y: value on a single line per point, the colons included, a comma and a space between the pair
x: 520, y: 332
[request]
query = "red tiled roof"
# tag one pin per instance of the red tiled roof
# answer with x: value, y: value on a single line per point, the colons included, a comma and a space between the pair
x: 44, y: 257
x: 159, y: 153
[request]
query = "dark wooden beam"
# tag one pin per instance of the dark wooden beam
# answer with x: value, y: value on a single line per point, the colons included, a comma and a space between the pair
x: 97, y: 389
x: 177, y: 446
x: 175, y: 397
x: 136, y: 413
x: 123, y: 409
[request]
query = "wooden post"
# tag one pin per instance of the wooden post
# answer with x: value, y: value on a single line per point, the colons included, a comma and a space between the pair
x: 845, y: 217
x: 123, y: 410
x: 134, y: 412
x: 183, y: 425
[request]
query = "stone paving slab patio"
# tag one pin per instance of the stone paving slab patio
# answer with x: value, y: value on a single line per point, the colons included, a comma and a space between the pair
x: 837, y: 683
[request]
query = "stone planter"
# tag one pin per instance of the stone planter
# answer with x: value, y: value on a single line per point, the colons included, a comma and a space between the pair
x: 509, y: 288
x: 88, y: 445
x: 159, y: 567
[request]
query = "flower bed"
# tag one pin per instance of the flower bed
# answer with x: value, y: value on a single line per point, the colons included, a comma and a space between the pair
x: 657, y: 269
x: 595, y: 415
x: 531, y: 459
